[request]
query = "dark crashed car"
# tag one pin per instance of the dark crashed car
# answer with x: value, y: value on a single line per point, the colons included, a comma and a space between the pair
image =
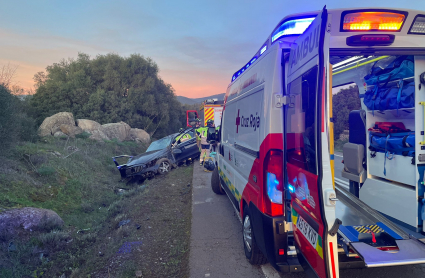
x: 161, y: 156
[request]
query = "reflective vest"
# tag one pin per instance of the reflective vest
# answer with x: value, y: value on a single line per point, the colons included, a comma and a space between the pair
x: 202, y: 135
x: 183, y: 137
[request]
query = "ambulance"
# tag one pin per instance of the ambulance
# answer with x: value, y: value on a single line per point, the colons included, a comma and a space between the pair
x: 276, y: 153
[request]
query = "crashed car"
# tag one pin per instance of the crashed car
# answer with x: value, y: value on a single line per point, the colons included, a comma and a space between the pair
x: 161, y: 156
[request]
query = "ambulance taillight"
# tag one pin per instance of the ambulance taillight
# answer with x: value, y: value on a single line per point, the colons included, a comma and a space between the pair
x: 273, y: 174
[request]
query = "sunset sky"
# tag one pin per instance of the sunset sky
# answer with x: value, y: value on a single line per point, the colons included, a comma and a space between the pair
x: 197, y: 44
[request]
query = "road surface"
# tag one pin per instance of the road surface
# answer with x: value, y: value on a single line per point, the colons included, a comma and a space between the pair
x: 216, y: 248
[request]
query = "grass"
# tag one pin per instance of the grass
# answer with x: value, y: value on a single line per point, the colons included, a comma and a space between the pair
x: 75, y: 178
x: 82, y: 187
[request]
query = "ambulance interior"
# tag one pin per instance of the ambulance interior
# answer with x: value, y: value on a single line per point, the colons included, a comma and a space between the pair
x: 382, y: 157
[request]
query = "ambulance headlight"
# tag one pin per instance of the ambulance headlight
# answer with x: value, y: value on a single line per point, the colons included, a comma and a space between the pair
x: 418, y: 26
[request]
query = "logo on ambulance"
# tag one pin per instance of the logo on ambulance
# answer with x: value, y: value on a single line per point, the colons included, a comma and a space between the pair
x: 252, y: 121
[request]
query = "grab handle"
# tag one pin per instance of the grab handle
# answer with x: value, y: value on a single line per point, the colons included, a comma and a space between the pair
x: 423, y: 104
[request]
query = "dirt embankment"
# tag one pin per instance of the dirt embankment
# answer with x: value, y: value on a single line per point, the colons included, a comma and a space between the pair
x: 155, y: 243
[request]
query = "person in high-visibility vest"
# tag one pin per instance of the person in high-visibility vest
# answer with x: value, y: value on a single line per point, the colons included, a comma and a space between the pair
x: 202, y: 133
x: 183, y: 137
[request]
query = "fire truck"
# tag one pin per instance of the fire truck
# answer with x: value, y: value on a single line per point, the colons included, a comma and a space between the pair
x: 213, y: 108
x: 276, y: 154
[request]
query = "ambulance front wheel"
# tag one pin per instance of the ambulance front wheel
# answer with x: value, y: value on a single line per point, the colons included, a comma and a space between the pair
x: 215, y: 182
x: 252, y: 252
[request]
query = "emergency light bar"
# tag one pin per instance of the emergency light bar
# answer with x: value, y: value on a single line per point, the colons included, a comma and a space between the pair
x: 372, y: 21
x: 418, y: 26
x: 292, y: 27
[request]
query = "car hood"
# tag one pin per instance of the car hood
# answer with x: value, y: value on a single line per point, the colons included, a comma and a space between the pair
x: 146, y: 157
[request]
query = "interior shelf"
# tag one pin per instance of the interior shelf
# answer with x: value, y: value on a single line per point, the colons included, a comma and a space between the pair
x: 405, y: 113
x: 399, y: 169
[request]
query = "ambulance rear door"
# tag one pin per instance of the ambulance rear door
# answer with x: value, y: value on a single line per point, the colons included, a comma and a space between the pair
x: 309, y: 176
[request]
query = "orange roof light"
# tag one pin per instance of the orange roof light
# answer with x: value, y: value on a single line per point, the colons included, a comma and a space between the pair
x: 373, y: 21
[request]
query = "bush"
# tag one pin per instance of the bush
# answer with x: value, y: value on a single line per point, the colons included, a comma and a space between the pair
x: 46, y: 170
x: 84, y: 135
x: 54, y: 237
x: 15, y: 125
x: 8, y: 119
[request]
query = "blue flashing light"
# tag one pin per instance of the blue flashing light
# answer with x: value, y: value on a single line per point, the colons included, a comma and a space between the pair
x: 292, y: 27
x: 272, y: 184
x: 291, y: 188
x: 263, y: 49
x: 236, y: 75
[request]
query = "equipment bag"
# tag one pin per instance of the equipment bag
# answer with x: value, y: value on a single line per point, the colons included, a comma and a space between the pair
x: 402, y: 143
x: 386, y: 92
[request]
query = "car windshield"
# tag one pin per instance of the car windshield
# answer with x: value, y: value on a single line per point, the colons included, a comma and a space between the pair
x: 160, y: 144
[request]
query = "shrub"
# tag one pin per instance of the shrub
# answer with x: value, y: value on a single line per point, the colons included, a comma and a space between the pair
x: 46, y: 170
x: 8, y: 119
x: 53, y: 238
x: 15, y: 125
x: 84, y: 135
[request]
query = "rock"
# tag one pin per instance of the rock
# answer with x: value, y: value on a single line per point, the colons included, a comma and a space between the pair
x: 139, y: 135
x: 30, y: 219
x: 119, y: 131
x: 98, y: 135
x: 70, y: 130
x: 51, y: 124
x: 123, y: 222
x: 88, y: 125
x: 60, y: 134
x: 139, y: 273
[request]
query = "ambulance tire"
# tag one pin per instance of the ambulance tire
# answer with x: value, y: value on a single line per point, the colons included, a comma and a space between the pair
x: 252, y: 252
x: 215, y: 182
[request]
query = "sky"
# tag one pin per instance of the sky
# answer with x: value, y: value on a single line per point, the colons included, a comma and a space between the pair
x: 197, y: 44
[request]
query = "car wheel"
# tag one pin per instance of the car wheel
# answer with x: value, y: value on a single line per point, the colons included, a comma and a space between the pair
x: 164, y: 166
x: 252, y: 252
x: 215, y: 182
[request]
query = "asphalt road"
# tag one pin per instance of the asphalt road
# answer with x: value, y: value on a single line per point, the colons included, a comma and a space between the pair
x: 216, y: 248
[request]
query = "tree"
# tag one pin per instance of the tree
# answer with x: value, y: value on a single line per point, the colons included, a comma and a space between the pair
x: 344, y: 101
x: 109, y: 88
x: 7, y: 74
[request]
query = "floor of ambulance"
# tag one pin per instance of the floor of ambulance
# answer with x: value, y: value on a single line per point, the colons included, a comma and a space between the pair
x: 367, y: 234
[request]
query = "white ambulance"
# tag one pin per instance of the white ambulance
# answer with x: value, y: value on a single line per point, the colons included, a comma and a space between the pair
x: 276, y: 154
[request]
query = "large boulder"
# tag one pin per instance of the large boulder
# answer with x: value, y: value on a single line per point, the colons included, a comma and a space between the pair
x: 94, y: 128
x: 119, y: 131
x: 98, y: 135
x: 29, y: 219
x: 52, y: 124
x: 88, y: 125
x: 139, y: 135
x: 71, y: 130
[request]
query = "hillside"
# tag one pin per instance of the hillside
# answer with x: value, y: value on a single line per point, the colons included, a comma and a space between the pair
x: 186, y: 100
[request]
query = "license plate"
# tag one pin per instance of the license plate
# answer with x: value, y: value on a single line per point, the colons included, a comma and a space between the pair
x: 310, y: 234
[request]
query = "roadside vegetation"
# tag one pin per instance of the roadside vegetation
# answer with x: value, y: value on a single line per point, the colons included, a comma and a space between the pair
x: 111, y: 228
x: 77, y: 179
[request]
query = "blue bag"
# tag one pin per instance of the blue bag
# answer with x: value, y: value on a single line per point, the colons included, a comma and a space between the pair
x: 402, y: 143
x: 385, y: 96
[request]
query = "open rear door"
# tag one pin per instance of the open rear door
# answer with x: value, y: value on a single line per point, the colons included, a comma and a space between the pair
x: 307, y: 150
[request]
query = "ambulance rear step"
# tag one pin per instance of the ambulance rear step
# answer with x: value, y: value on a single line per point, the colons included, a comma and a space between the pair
x: 367, y: 234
